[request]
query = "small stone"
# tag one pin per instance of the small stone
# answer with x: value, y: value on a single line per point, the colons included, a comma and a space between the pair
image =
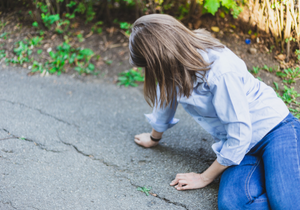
x: 215, y: 29
x: 280, y: 57
x: 253, y: 50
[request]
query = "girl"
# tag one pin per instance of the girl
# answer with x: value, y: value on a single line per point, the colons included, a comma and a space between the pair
x: 257, y: 144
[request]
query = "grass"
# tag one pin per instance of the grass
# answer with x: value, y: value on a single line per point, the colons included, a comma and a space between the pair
x: 289, y: 75
x: 144, y: 190
x: 64, y: 56
x: 129, y: 78
x: 288, y: 95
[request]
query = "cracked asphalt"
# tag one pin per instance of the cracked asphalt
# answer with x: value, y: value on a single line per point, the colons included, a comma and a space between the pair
x: 67, y: 143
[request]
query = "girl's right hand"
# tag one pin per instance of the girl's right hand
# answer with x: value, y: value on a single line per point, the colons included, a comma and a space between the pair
x: 145, y: 140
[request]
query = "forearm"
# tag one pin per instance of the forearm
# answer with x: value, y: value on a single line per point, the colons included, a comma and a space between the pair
x: 213, y: 171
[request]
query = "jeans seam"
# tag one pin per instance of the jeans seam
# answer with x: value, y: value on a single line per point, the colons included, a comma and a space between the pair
x: 260, y: 200
x: 248, y: 180
x: 297, y: 156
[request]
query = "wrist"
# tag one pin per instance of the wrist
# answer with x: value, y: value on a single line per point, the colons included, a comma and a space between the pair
x: 204, y: 178
x: 156, y: 135
x: 155, y: 139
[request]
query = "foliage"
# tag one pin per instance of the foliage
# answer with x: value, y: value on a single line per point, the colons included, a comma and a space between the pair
x: 3, y: 35
x: 129, y: 78
x: 22, y: 52
x: 65, y: 54
x: 289, y: 75
x: 144, y: 190
x: 255, y: 70
x: 297, y: 53
x: 289, y: 97
x: 97, y: 27
x: 37, y: 67
x: 35, y: 41
x: 58, y: 11
x: 126, y: 26
x: 269, y: 69
x: 49, y: 19
x: 2, y: 54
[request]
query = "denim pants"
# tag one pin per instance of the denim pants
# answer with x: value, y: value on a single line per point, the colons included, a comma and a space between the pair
x: 269, y: 175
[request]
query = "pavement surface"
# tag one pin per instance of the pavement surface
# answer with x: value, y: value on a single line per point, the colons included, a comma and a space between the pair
x: 67, y: 143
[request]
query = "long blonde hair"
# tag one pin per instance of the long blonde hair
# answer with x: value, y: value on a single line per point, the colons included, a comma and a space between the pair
x: 168, y: 52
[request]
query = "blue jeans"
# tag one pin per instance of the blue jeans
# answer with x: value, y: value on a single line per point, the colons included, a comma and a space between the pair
x: 269, y: 175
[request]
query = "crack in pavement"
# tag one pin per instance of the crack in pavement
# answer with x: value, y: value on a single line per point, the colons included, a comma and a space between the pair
x: 33, y: 207
x: 90, y: 155
x: 117, y: 167
x: 93, y: 158
x: 41, y: 146
x: 41, y: 112
x: 157, y: 196
x: 172, y: 202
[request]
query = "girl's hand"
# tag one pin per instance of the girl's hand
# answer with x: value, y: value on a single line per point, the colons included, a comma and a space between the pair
x: 145, y: 140
x: 190, y: 181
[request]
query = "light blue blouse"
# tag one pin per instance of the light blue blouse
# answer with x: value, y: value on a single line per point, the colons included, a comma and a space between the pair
x: 237, y: 109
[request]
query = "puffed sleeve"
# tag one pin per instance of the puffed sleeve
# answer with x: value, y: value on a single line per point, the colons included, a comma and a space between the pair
x: 162, y: 118
x: 231, y: 105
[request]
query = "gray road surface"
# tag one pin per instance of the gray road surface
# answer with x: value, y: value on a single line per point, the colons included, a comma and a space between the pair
x: 71, y: 147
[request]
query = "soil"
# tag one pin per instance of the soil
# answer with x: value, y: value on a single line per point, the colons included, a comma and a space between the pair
x: 112, y: 45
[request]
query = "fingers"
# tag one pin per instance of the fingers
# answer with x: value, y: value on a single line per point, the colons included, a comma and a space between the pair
x: 177, y: 178
x: 186, y: 187
x: 182, y: 185
x: 174, y: 182
x: 137, y: 141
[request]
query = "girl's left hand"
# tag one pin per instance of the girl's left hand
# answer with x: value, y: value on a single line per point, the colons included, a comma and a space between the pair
x: 190, y: 181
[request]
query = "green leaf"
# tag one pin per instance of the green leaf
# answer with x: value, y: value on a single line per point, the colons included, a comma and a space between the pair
x: 35, y: 24
x: 212, y: 6
x: 226, y: 3
x: 91, y: 66
x: 122, y: 78
x: 276, y: 85
x: 108, y: 62
x: 139, y: 78
x: 87, y: 52
x: 133, y: 84
x: 52, y: 55
x: 72, y: 58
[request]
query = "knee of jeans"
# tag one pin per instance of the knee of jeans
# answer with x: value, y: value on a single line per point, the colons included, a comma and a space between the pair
x: 227, y: 201
x: 230, y: 198
x: 224, y: 201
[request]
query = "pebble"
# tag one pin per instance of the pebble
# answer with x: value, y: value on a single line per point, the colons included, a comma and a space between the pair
x: 215, y: 29
x: 253, y: 50
x: 281, y: 57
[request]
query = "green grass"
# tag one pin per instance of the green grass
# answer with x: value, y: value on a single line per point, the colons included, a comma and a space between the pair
x: 64, y: 56
x: 144, y: 190
x: 129, y: 78
x: 288, y: 95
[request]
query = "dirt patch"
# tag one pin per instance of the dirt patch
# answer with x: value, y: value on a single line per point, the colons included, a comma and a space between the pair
x: 111, y: 47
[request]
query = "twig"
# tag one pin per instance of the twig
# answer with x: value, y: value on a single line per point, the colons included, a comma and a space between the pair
x: 123, y: 32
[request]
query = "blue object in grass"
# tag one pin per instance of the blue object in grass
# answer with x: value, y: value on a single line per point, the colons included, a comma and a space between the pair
x: 247, y: 41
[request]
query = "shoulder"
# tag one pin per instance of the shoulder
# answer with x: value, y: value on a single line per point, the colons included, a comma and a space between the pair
x: 223, y: 62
